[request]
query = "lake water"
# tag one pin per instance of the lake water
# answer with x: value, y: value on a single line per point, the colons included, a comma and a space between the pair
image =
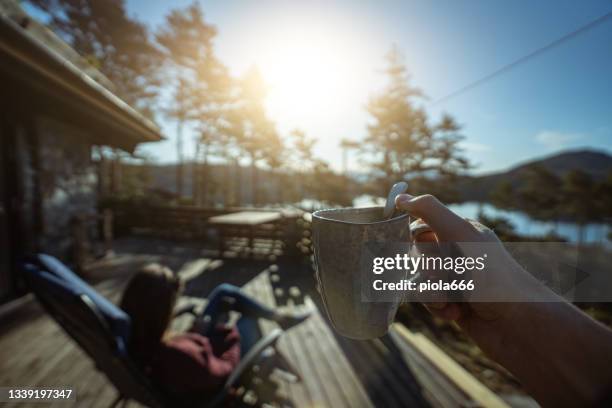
x: 593, y: 233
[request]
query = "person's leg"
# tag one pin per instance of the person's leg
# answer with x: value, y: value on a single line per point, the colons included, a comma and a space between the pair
x: 227, y: 297
x: 249, y: 333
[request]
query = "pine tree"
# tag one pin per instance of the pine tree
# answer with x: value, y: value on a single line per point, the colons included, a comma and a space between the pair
x: 401, y: 141
x: 273, y: 155
x: 119, y: 46
x: 201, y: 86
x: 539, y: 195
x: 577, y: 195
x: 251, y: 129
x: 304, y: 161
x: 503, y: 195
x: 345, y: 146
x: 604, y: 192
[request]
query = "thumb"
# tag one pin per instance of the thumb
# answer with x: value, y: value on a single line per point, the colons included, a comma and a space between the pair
x: 448, y: 226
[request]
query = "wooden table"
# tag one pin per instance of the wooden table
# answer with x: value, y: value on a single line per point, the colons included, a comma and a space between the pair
x: 246, y: 218
x: 243, y: 220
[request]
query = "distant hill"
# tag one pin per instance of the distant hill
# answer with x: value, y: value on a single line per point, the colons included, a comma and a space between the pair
x: 596, y: 163
x: 162, y: 178
x: 474, y: 188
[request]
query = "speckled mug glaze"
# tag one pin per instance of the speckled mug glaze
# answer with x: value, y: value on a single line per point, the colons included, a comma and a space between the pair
x: 339, y: 237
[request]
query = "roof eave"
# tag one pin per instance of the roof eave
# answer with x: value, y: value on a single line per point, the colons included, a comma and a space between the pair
x: 65, y: 75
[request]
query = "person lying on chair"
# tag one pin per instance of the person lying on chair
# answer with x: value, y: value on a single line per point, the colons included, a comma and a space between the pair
x: 195, y: 363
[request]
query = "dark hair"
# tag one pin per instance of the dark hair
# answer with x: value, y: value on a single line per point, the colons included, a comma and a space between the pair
x: 149, y: 300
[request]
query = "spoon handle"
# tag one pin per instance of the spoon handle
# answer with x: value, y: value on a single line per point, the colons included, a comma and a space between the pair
x: 398, y: 188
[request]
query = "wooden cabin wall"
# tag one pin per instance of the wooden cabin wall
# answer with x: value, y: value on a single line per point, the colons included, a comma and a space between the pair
x: 68, y: 184
x: 16, y: 215
x: 25, y: 174
x: 8, y: 240
x: 57, y: 181
x: 47, y: 178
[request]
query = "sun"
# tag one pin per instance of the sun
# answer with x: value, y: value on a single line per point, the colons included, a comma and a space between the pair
x: 307, y: 71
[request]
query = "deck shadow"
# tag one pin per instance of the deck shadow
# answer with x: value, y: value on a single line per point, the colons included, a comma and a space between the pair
x: 236, y: 272
x: 379, y: 364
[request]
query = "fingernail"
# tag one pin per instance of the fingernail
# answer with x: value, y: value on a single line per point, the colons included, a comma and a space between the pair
x: 402, y: 198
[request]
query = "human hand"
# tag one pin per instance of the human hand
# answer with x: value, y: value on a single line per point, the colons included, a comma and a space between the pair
x: 561, y: 355
x: 502, y: 278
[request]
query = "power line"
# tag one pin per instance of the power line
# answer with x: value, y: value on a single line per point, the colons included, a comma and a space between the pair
x: 524, y: 59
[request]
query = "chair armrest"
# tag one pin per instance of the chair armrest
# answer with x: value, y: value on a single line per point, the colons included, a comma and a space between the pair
x: 249, y: 358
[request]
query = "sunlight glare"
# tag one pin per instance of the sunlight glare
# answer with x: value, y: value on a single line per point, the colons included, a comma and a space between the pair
x: 307, y: 71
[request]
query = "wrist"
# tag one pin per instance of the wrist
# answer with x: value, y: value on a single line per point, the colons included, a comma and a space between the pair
x: 493, y: 323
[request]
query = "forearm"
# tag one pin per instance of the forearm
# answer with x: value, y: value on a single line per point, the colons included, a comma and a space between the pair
x: 562, y: 356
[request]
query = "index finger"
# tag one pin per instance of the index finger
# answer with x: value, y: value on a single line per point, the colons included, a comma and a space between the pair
x: 448, y: 226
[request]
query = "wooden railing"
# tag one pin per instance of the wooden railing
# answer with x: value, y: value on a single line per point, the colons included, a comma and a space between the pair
x: 191, y: 223
x: 163, y: 221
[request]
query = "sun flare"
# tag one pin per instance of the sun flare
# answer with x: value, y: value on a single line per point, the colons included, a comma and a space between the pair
x: 306, y: 71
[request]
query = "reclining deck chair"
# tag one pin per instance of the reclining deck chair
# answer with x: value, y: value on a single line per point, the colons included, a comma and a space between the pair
x: 102, y: 330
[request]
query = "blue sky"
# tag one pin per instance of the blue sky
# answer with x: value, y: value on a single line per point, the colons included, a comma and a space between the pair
x: 559, y: 100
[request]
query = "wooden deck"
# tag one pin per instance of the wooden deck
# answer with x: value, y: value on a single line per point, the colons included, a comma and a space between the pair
x: 337, y: 372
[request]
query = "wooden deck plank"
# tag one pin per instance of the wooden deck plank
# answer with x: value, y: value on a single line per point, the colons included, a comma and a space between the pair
x: 368, y: 373
x: 325, y: 359
x: 437, y: 389
x: 312, y: 379
x: 298, y: 392
x: 105, y: 395
x: 258, y: 289
x: 47, y: 367
x: 477, y: 392
x: 19, y: 345
x: 87, y: 381
x: 85, y: 389
x: 331, y: 357
x: 51, y: 365
x: 391, y: 386
x: 352, y: 387
x: 309, y: 389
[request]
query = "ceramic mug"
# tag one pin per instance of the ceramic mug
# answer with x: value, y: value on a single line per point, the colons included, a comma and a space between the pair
x: 340, y: 237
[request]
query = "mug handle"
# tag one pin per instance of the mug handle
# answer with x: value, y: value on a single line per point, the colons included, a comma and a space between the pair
x: 415, y: 228
x: 418, y: 227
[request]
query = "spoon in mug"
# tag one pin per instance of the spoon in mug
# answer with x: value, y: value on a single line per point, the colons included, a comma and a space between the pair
x: 390, y: 211
x: 397, y: 189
